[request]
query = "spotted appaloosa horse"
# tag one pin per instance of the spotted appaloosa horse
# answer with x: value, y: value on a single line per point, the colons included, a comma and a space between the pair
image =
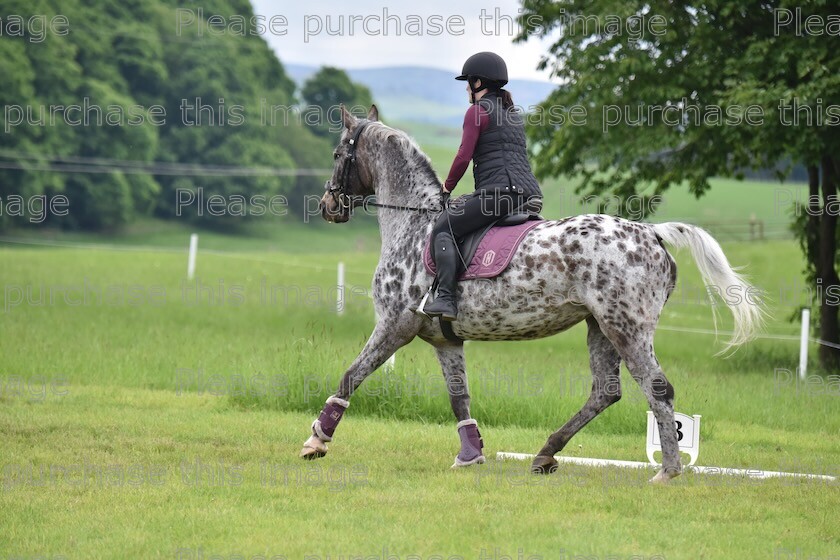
x: 614, y: 274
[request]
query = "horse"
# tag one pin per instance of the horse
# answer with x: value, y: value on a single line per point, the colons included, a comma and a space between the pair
x: 612, y: 273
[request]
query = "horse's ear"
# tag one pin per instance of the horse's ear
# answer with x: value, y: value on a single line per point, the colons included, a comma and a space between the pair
x: 373, y: 114
x: 347, y: 118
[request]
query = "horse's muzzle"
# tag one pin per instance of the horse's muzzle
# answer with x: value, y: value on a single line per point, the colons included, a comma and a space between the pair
x: 332, y: 210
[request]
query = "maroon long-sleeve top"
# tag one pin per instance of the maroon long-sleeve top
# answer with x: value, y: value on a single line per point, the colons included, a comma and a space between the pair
x: 475, y: 121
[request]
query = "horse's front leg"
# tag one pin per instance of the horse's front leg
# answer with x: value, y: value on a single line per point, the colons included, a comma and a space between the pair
x: 386, y: 339
x: 451, y: 357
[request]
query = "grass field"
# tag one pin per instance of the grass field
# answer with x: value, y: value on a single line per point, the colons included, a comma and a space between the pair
x: 145, y: 416
x: 160, y: 418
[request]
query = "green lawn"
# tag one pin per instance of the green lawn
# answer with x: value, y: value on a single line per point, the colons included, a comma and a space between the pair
x: 200, y: 395
x: 188, y: 473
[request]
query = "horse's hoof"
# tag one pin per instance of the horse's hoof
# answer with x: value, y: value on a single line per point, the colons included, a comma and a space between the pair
x: 314, y: 448
x: 664, y: 476
x: 544, y: 465
x: 460, y: 464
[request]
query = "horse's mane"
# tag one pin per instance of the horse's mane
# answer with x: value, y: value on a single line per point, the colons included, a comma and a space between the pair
x: 408, y: 145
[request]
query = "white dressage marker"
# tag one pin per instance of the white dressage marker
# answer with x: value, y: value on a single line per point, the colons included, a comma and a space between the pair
x: 688, y: 435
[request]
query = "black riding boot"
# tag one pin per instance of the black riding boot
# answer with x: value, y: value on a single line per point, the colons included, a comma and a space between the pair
x: 446, y: 262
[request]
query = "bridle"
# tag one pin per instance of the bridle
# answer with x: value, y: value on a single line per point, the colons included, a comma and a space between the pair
x: 339, y: 192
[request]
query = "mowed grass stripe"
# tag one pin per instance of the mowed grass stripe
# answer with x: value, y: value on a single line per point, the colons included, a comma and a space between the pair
x: 385, y: 485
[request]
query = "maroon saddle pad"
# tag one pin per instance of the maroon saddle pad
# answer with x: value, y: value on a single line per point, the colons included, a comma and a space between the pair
x: 494, y: 252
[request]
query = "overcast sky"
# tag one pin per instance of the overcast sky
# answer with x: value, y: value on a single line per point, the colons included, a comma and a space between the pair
x: 315, y: 36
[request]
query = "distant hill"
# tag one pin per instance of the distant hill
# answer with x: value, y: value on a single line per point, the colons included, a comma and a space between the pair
x: 424, y: 95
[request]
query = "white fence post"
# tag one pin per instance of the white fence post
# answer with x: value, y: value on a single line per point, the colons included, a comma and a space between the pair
x: 192, y: 255
x: 339, y: 297
x: 803, y: 342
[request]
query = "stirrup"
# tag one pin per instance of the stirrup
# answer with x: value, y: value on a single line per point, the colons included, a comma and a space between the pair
x: 420, y: 309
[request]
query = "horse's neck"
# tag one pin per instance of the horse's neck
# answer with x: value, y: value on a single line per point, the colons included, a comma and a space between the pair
x: 402, y: 230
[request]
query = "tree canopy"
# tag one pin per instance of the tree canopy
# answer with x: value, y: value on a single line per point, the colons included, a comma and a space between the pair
x: 110, y: 110
x: 679, y: 92
x: 327, y: 89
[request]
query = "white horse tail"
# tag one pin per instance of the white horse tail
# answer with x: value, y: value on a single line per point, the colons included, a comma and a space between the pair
x: 744, y: 300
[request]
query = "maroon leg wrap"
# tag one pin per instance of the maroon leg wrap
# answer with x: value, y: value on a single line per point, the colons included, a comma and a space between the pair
x: 471, y: 442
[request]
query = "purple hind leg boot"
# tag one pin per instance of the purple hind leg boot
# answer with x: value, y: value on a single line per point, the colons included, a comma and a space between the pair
x: 471, y: 444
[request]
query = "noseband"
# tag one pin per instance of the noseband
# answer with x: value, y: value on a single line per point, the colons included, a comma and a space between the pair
x: 339, y: 192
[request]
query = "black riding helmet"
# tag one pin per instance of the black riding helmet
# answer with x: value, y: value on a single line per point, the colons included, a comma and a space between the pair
x: 488, y: 66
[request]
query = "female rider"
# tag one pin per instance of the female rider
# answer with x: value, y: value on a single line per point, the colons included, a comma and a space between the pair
x: 494, y: 139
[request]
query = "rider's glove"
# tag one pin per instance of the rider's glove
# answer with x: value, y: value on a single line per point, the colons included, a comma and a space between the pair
x: 444, y: 198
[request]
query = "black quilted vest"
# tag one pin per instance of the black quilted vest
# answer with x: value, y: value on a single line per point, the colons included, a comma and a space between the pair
x: 500, y: 160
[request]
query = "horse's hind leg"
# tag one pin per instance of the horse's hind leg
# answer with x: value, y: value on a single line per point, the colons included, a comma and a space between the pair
x: 451, y: 358
x: 604, y: 360
x: 634, y: 342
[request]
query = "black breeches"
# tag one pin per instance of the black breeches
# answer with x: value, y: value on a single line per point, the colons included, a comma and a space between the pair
x: 480, y: 209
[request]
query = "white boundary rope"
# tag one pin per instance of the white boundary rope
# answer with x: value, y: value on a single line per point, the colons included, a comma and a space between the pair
x: 750, y: 473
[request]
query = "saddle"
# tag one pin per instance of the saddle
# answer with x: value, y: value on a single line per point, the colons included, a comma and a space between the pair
x: 489, y: 250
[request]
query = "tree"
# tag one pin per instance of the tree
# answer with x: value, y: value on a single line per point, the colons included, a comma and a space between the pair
x: 326, y: 90
x: 123, y: 55
x: 690, y: 92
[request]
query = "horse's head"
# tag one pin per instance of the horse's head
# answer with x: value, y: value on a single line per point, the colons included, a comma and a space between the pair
x: 352, y: 179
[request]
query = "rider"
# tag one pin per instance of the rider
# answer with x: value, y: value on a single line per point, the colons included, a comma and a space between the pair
x: 494, y: 138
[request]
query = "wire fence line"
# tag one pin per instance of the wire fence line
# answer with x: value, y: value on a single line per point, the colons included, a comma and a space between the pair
x: 768, y: 336
x: 73, y: 164
x: 742, y: 229
x: 151, y: 170
x: 170, y: 250
x: 321, y: 268
x: 726, y: 230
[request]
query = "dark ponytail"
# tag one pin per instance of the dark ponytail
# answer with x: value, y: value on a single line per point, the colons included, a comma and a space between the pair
x: 507, y: 100
x: 494, y: 86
